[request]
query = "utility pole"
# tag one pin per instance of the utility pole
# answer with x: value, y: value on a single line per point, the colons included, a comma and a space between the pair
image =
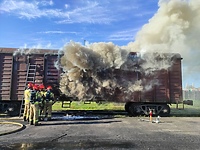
x: 84, y: 42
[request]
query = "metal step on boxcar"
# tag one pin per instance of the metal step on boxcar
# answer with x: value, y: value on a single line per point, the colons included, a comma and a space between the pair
x: 66, y: 104
x: 30, y: 77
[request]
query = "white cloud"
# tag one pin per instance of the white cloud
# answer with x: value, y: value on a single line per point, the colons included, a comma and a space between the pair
x: 126, y: 35
x: 81, y: 12
x: 144, y: 13
x: 46, y: 3
x: 57, y: 32
x: 66, y: 6
x: 12, y: 6
x: 25, y: 9
x: 91, y: 12
x: 38, y: 46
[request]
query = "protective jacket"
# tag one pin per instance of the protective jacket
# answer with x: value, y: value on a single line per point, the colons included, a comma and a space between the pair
x: 49, y: 96
x: 35, y: 96
x: 27, y: 95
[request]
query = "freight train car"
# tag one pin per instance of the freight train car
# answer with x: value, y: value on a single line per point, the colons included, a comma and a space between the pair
x: 21, y: 66
x: 168, y: 90
x: 159, y: 85
x: 18, y: 67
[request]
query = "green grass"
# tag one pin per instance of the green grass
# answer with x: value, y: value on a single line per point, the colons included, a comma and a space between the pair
x: 90, y: 106
x: 187, y: 111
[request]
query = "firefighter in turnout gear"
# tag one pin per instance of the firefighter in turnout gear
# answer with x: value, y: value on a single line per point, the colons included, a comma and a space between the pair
x: 42, y: 92
x: 27, y: 94
x: 35, y: 102
x: 49, y: 98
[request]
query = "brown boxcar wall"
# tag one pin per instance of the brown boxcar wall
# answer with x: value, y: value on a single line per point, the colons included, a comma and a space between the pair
x: 52, y: 74
x: 18, y: 77
x: 175, y: 81
x: 125, y: 97
x: 14, y: 72
x: 5, y: 75
x: 159, y: 92
x: 169, y: 89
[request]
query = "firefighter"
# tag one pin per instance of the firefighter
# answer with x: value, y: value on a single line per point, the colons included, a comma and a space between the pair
x: 27, y: 101
x: 49, y: 98
x: 42, y: 92
x: 35, y: 101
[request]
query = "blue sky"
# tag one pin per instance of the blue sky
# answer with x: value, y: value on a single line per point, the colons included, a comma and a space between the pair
x: 53, y: 23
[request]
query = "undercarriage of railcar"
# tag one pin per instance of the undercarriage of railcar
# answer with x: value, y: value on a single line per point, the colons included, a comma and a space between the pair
x: 136, y: 109
x: 11, y: 108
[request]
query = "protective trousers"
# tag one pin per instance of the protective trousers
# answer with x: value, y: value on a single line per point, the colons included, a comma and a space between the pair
x: 41, y: 107
x: 48, y: 108
x: 34, y: 113
x: 26, y: 110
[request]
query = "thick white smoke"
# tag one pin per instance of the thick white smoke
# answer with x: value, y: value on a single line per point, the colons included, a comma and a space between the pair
x: 173, y: 29
x: 93, y: 69
x: 89, y: 69
x: 102, y: 69
x: 25, y: 51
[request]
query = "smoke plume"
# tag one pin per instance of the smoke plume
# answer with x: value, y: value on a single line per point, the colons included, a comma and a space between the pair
x: 94, y: 70
x: 104, y: 69
x: 173, y: 29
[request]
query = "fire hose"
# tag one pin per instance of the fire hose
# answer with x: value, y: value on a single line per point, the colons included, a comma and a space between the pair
x: 21, y: 127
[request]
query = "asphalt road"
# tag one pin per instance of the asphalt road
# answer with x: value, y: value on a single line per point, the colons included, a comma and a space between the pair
x: 171, y: 133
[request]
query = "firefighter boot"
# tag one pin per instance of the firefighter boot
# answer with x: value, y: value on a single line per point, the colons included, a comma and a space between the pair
x: 24, y: 118
x: 31, y: 122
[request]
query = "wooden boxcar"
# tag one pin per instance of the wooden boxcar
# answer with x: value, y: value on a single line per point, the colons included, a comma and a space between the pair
x: 15, y: 66
x: 160, y: 87
x: 167, y: 91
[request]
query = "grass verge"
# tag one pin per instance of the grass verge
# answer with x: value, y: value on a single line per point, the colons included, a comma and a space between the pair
x: 89, y: 106
x: 186, y: 111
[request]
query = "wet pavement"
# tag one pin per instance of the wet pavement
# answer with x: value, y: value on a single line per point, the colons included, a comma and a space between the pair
x: 70, y: 145
x: 9, y: 125
x: 105, y: 132
x: 4, y: 128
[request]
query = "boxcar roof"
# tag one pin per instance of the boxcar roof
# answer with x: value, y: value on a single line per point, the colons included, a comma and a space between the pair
x: 55, y: 51
x: 33, y: 51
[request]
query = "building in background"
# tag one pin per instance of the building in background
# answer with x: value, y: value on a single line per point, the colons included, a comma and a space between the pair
x: 191, y: 93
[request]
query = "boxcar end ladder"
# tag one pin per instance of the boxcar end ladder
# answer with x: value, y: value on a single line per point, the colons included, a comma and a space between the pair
x: 30, y: 77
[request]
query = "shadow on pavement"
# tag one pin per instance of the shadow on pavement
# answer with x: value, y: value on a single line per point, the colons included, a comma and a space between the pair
x: 49, y: 123
x: 82, y: 144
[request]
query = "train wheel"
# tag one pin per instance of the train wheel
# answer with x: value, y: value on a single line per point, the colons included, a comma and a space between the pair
x: 165, y: 111
x: 135, y: 109
x: 138, y: 110
x: 126, y: 107
x: 1, y: 108
x: 131, y: 110
x: 13, y: 109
